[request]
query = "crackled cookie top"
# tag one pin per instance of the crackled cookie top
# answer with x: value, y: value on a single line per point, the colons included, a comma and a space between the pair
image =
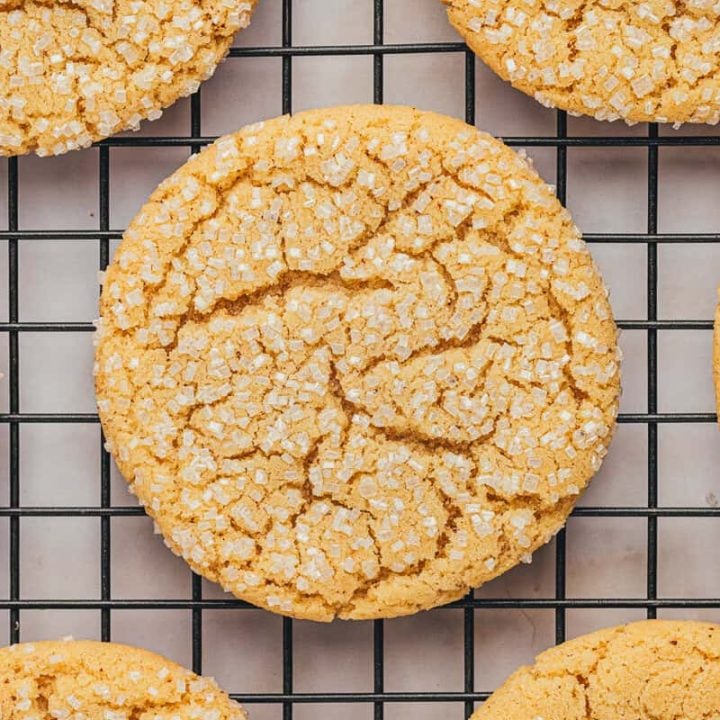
x: 653, y: 670
x: 75, y: 72
x: 657, y: 60
x: 73, y: 680
x: 355, y: 362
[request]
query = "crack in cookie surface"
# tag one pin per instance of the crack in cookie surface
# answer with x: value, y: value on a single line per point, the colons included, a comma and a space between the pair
x: 76, y: 72
x: 356, y: 362
x: 653, y: 670
x: 654, y: 61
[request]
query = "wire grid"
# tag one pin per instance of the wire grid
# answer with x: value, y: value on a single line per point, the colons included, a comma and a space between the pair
x: 466, y: 699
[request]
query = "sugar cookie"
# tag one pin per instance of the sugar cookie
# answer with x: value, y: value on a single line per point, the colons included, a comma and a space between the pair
x: 653, y: 670
x: 356, y: 362
x: 81, y: 679
x: 655, y: 61
x: 75, y: 72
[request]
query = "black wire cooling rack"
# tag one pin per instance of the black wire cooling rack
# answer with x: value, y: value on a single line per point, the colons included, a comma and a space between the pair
x: 197, y: 605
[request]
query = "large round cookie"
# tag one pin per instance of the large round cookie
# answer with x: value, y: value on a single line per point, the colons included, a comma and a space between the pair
x: 640, y: 61
x: 75, y: 72
x: 104, y: 681
x: 653, y: 670
x: 356, y: 362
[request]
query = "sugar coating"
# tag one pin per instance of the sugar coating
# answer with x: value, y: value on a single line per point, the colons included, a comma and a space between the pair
x: 649, y: 61
x: 652, y: 670
x: 75, y: 72
x: 355, y: 362
x: 82, y: 680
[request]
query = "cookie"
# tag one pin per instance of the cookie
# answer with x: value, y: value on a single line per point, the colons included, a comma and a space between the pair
x: 355, y: 362
x: 75, y: 72
x: 652, y: 670
x: 82, y: 679
x: 653, y: 61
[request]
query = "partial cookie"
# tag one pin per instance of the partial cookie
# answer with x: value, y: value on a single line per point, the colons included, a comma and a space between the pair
x: 75, y: 72
x: 81, y: 679
x: 654, y: 61
x: 356, y: 362
x: 653, y: 670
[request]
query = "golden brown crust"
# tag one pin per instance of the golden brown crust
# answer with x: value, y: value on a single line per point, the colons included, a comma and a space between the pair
x: 653, y: 670
x: 653, y: 61
x: 71, y: 680
x: 356, y: 362
x: 72, y: 72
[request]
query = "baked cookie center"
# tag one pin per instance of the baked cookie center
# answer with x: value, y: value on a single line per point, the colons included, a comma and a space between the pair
x: 369, y: 385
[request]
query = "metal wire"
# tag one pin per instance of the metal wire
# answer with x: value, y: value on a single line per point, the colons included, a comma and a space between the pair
x: 197, y: 605
x: 378, y: 97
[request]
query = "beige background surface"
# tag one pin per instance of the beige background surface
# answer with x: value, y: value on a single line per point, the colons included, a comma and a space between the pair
x: 606, y: 557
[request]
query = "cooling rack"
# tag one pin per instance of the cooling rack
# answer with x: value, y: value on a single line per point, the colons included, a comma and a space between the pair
x: 380, y: 699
